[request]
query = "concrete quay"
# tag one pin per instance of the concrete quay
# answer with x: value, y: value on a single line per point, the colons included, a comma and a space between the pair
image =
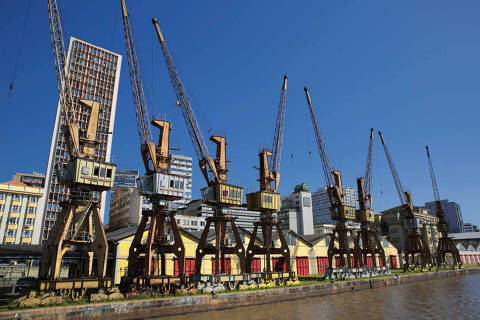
x: 137, y: 309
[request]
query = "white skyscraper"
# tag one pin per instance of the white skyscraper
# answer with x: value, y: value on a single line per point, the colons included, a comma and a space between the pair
x: 182, y: 165
x: 321, y: 204
x: 95, y: 74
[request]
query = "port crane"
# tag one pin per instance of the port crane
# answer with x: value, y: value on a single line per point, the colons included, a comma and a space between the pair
x: 79, y: 225
x: 414, y: 242
x: 445, y: 244
x: 267, y: 200
x: 367, y: 239
x: 158, y: 184
x: 339, y: 211
x: 218, y: 192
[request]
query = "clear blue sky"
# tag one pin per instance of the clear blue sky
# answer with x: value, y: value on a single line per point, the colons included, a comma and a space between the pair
x: 409, y: 68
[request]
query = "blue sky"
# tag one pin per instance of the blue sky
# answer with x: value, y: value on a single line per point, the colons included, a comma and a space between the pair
x: 409, y: 68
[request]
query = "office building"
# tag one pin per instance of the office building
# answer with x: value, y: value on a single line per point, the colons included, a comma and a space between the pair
x: 243, y: 217
x: 453, y: 214
x: 297, y: 207
x: 95, y: 74
x: 125, y: 178
x: 20, y: 220
x: 30, y: 179
x: 321, y: 204
x: 389, y: 223
x: 469, y: 227
x: 182, y: 165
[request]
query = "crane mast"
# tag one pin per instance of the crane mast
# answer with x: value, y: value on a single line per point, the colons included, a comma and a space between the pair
x: 158, y: 184
x: 341, y: 213
x: 367, y: 241
x: 83, y: 174
x: 218, y: 192
x: 414, y: 243
x: 267, y: 200
x: 445, y: 244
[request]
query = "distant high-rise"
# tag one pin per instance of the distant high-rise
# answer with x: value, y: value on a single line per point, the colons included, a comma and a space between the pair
x: 182, y: 165
x: 94, y: 73
x: 453, y: 214
x: 30, y: 179
x: 296, y: 211
x: 321, y: 204
x: 125, y: 178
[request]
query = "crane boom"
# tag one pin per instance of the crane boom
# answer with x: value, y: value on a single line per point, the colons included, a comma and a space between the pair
x: 279, y: 125
x: 194, y: 131
x: 63, y: 81
x: 396, y: 179
x: 143, y: 123
x: 327, y: 168
x: 368, y: 169
x: 432, y: 176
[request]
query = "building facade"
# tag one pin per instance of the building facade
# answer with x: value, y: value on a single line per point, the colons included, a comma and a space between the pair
x: 182, y: 165
x: 300, y: 201
x: 243, y: 217
x: 321, y: 204
x: 125, y: 178
x: 468, y: 245
x: 20, y: 220
x: 453, y: 214
x: 389, y: 223
x: 95, y: 74
x: 470, y: 227
x: 30, y: 179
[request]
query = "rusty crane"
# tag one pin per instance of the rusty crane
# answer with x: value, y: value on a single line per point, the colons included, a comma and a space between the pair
x: 267, y: 200
x: 445, y: 244
x: 158, y: 185
x: 367, y: 240
x: 339, y: 211
x: 414, y: 243
x: 79, y: 225
x: 218, y: 192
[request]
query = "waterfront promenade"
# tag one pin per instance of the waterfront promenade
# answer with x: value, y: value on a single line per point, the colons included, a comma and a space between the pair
x: 153, y: 308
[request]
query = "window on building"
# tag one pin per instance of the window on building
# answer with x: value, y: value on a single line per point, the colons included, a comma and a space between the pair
x: 193, y: 222
x: 2, y: 195
x: 291, y: 240
x: 12, y: 220
x: 202, y: 223
x: 11, y: 233
x: 2, y: 207
x: 27, y: 233
x: 32, y: 199
x: 185, y: 222
x: 31, y: 210
x: 17, y: 197
x: 29, y: 221
x: 15, y: 209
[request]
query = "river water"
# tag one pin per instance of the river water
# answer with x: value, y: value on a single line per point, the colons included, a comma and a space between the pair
x: 447, y: 298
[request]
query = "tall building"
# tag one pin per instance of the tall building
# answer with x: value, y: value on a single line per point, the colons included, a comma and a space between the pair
x: 95, y: 74
x: 20, y: 220
x: 453, y: 214
x: 182, y: 165
x: 297, y: 207
x: 125, y: 178
x: 321, y: 204
x: 30, y: 179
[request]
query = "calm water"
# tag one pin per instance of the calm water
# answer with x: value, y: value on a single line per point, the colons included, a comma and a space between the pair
x: 450, y: 298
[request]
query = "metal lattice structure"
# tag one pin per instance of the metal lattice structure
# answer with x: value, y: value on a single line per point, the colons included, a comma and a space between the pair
x: 445, y: 244
x: 156, y: 160
x: 267, y: 200
x: 339, y: 243
x: 215, y: 171
x: 415, y: 244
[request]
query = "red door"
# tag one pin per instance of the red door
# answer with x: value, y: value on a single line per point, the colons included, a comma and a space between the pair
x: 140, y: 265
x: 256, y: 265
x: 322, y: 264
x: 338, y: 263
x: 228, y: 266
x: 380, y: 261
x: 369, y: 261
x: 393, y: 262
x: 302, y: 266
x: 189, y: 266
x: 279, y: 264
